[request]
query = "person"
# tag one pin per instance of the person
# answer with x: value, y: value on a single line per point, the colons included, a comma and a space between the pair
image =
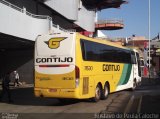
x: 16, y: 79
x: 6, y: 88
x: 153, y: 74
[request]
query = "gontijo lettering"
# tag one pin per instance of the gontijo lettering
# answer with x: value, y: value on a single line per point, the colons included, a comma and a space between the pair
x: 109, y: 67
x: 54, y: 59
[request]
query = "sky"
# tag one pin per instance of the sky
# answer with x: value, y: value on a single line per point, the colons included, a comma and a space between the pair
x: 135, y: 16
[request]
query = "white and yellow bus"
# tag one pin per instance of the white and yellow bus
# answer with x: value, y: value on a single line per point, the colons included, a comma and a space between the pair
x: 70, y: 65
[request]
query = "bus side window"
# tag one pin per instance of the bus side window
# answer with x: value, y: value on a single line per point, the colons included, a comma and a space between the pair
x: 83, y: 50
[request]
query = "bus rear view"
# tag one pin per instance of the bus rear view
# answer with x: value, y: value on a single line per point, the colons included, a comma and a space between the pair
x: 55, y: 72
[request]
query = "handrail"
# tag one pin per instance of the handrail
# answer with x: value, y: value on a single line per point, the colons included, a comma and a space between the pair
x: 24, y: 10
x: 38, y: 16
x: 11, y: 5
x: 68, y: 30
x: 110, y: 21
x: 34, y: 15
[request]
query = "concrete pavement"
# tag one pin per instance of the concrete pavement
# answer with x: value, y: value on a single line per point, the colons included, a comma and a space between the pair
x: 150, y: 96
x: 144, y: 102
x: 145, y: 99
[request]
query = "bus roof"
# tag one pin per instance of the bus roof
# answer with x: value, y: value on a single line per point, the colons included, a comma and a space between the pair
x: 80, y: 36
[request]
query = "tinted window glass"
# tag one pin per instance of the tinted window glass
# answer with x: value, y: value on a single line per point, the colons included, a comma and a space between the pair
x: 92, y: 51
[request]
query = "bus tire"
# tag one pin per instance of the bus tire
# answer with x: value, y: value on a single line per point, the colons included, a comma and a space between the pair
x: 105, y: 92
x: 98, y: 93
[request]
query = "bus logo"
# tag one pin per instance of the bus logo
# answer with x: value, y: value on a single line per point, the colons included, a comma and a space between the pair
x: 54, y: 43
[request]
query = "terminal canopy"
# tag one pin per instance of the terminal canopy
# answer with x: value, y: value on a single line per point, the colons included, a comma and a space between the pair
x: 102, y: 4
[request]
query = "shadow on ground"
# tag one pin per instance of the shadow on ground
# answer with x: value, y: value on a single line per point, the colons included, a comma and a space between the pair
x: 25, y: 96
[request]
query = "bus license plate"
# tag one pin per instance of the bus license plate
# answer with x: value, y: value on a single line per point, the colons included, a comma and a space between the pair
x: 52, y: 90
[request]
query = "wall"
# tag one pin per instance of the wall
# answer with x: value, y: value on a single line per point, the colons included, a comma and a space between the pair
x: 19, y: 24
x: 67, y: 8
x: 86, y: 19
x: 26, y: 72
x: 74, y: 10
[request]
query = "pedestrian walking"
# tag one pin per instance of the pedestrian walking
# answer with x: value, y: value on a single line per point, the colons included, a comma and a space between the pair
x: 153, y: 74
x: 6, y: 88
x: 16, y: 79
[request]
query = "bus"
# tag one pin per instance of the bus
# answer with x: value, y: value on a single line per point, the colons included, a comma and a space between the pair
x: 70, y: 65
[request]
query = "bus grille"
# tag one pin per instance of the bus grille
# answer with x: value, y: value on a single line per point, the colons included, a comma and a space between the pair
x: 85, y: 85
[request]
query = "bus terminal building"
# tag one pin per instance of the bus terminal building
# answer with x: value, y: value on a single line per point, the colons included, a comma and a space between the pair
x: 23, y: 20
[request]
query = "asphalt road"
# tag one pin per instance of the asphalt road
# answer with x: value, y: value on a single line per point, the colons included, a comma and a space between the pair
x: 124, y: 102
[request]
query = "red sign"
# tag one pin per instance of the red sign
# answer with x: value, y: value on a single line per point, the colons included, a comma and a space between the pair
x: 145, y: 71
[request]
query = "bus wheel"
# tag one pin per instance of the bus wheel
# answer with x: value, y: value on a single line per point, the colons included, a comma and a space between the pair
x: 97, y: 94
x: 105, y: 92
